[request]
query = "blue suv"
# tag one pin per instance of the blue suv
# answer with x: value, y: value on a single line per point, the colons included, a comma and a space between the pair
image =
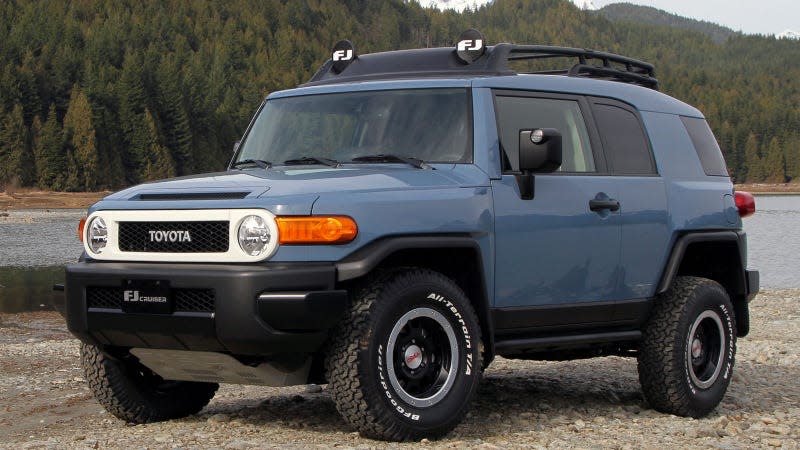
x: 404, y: 217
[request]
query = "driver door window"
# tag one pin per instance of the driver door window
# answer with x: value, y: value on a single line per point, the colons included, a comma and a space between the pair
x: 520, y: 113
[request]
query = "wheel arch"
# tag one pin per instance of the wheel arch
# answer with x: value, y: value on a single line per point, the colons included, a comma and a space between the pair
x: 718, y: 256
x: 458, y: 257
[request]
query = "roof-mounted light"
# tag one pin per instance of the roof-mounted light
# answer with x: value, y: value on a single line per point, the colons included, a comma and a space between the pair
x: 344, y: 53
x: 471, y: 46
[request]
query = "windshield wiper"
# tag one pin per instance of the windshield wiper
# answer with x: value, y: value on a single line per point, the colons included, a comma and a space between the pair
x: 256, y: 162
x: 312, y: 160
x: 410, y: 160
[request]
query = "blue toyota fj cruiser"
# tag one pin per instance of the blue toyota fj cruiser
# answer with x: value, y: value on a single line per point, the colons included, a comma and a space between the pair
x: 404, y: 217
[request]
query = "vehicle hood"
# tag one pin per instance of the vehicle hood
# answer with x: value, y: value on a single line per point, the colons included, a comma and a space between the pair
x: 285, y: 185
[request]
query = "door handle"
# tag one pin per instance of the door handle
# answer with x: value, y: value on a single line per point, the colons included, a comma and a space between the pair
x: 599, y: 205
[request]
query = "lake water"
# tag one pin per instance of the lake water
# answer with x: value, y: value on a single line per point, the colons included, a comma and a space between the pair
x: 35, y: 245
x: 773, y: 240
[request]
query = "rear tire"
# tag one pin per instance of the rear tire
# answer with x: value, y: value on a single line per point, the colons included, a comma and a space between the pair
x: 405, y: 363
x: 135, y: 394
x: 688, y: 349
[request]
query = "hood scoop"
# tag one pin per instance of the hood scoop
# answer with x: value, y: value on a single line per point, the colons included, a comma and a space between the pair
x: 170, y: 196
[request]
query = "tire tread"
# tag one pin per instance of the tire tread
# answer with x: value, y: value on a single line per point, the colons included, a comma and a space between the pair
x: 661, y: 374
x: 352, y: 400
x: 120, y: 395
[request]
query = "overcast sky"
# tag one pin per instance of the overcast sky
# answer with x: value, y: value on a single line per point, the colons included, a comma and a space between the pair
x: 749, y: 16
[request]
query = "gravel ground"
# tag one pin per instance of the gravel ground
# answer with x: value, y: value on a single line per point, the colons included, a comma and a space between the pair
x: 45, y: 403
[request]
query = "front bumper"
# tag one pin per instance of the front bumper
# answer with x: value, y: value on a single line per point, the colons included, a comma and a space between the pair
x: 253, y: 309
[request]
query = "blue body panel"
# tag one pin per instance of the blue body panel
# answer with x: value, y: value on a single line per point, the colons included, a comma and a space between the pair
x: 553, y: 249
x: 547, y: 251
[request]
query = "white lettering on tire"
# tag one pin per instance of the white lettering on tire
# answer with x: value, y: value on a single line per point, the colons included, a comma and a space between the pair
x: 387, y: 391
x: 467, y: 339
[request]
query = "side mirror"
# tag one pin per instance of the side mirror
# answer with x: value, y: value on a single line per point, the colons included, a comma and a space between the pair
x: 539, y: 150
x: 236, y: 146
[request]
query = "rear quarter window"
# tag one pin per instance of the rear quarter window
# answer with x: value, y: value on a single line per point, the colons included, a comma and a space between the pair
x: 706, y: 146
x: 624, y: 142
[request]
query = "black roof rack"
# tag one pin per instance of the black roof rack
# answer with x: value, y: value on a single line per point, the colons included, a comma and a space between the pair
x: 472, y: 58
x: 612, y: 66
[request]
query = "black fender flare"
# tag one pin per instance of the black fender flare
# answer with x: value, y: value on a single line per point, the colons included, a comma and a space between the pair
x: 364, y: 260
x: 743, y: 285
x: 684, y: 241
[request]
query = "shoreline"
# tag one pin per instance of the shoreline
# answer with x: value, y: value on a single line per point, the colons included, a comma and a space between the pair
x: 769, y: 188
x: 35, y: 199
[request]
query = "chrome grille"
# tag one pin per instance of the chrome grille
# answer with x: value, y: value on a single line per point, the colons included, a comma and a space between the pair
x: 205, y: 237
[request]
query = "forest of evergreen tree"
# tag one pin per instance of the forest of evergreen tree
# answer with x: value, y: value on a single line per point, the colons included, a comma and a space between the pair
x: 101, y: 94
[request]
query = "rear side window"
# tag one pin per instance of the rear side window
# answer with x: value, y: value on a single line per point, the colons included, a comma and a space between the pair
x: 525, y: 113
x: 624, y: 142
x: 706, y: 146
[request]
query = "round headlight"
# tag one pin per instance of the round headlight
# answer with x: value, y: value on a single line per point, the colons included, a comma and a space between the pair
x: 254, y: 237
x: 98, y: 234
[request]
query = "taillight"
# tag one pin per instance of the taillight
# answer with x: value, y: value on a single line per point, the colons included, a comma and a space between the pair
x: 745, y: 203
x: 81, y: 227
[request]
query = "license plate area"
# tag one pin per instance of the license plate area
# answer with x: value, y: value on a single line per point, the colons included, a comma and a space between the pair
x: 146, y: 296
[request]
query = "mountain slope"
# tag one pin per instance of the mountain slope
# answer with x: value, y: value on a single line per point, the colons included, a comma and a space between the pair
x: 95, y: 96
x: 647, y: 15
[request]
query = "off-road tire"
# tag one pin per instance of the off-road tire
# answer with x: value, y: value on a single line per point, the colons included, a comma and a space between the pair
x: 677, y: 371
x: 135, y: 394
x: 358, y: 363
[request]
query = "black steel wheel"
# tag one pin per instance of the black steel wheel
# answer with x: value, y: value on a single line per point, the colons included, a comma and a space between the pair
x: 706, y: 341
x: 423, y: 357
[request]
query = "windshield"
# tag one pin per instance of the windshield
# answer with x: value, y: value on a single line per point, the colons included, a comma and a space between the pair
x: 427, y: 124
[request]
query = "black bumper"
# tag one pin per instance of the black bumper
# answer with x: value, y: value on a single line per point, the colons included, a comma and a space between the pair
x: 243, y: 309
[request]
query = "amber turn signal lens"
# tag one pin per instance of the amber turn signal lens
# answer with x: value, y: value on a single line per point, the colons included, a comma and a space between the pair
x: 81, y: 227
x: 316, y: 229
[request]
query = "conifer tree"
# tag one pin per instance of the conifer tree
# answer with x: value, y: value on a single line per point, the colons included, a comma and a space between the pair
x: 16, y: 163
x: 775, y: 163
x: 158, y: 163
x: 51, y: 161
x: 80, y: 131
x: 28, y: 90
x: 753, y: 162
x: 792, y: 146
x: 177, y: 133
x: 131, y: 114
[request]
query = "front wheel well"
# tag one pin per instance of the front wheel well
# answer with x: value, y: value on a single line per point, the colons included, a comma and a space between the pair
x: 464, y: 266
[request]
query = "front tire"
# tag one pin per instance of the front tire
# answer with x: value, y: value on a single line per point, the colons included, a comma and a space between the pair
x: 405, y: 363
x: 135, y: 394
x: 687, y: 354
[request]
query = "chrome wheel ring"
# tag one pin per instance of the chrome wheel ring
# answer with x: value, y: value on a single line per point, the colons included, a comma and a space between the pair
x: 422, y: 357
x: 705, y: 349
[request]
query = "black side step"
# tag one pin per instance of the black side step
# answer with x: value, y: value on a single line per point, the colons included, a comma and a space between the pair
x: 558, y: 342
